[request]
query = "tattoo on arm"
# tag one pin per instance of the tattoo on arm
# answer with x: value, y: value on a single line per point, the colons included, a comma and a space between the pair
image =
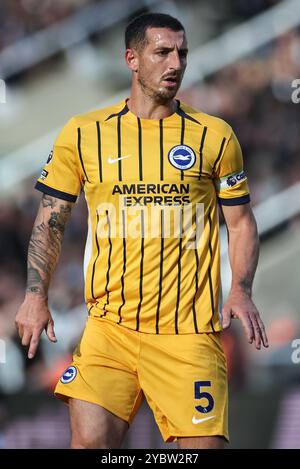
x: 45, y: 245
x: 48, y: 201
x: 58, y: 219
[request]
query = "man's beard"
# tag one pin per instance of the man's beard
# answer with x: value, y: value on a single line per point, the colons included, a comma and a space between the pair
x: 159, y: 96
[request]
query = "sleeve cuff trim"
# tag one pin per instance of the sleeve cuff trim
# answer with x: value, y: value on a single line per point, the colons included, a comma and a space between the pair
x: 245, y: 199
x: 55, y: 193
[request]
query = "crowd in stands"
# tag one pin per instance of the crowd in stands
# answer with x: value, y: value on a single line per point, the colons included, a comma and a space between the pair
x: 20, y: 18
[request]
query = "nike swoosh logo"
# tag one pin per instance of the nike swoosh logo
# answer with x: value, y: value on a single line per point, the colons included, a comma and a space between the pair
x: 114, y: 160
x: 195, y: 420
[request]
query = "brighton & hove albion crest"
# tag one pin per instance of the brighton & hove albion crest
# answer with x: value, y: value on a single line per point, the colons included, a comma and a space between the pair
x: 182, y: 157
x: 69, y: 375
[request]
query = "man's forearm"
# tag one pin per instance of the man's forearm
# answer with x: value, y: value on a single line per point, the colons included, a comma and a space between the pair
x: 45, y: 244
x: 243, y: 254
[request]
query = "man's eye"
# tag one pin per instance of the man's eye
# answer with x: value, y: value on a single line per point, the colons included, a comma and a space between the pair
x: 162, y: 52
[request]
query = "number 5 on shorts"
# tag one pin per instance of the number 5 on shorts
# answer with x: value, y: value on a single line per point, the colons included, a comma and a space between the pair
x: 203, y: 395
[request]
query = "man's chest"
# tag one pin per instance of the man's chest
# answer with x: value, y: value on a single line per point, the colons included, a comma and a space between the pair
x: 127, y: 154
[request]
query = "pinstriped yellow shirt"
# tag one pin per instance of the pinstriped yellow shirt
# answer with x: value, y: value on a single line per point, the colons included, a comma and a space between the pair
x: 152, y: 188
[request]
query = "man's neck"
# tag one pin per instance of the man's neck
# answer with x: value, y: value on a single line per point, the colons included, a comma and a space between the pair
x: 146, y: 108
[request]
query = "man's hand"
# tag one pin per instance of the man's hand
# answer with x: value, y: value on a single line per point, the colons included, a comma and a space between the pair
x: 32, y: 318
x: 241, y: 306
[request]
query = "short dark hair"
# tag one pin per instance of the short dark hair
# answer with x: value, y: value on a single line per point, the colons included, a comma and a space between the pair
x: 135, y: 34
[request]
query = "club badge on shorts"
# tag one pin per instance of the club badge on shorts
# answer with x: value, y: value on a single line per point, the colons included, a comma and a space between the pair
x: 69, y: 375
x: 182, y: 157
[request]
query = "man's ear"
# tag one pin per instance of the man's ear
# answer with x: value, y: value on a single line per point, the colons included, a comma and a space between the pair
x: 131, y: 58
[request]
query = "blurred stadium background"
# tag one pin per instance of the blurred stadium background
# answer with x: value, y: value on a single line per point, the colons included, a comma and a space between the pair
x: 60, y: 58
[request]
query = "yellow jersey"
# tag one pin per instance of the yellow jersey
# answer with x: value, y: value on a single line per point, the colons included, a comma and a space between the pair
x: 152, y: 260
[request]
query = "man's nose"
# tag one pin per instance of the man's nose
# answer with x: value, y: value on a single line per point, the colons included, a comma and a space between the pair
x: 175, y: 62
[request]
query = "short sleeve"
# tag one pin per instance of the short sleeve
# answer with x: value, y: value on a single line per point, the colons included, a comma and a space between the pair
x: 62, y: 175
x: 229, y: 177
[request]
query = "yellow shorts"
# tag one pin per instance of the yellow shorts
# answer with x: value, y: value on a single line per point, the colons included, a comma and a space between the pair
x: 183, y: 377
